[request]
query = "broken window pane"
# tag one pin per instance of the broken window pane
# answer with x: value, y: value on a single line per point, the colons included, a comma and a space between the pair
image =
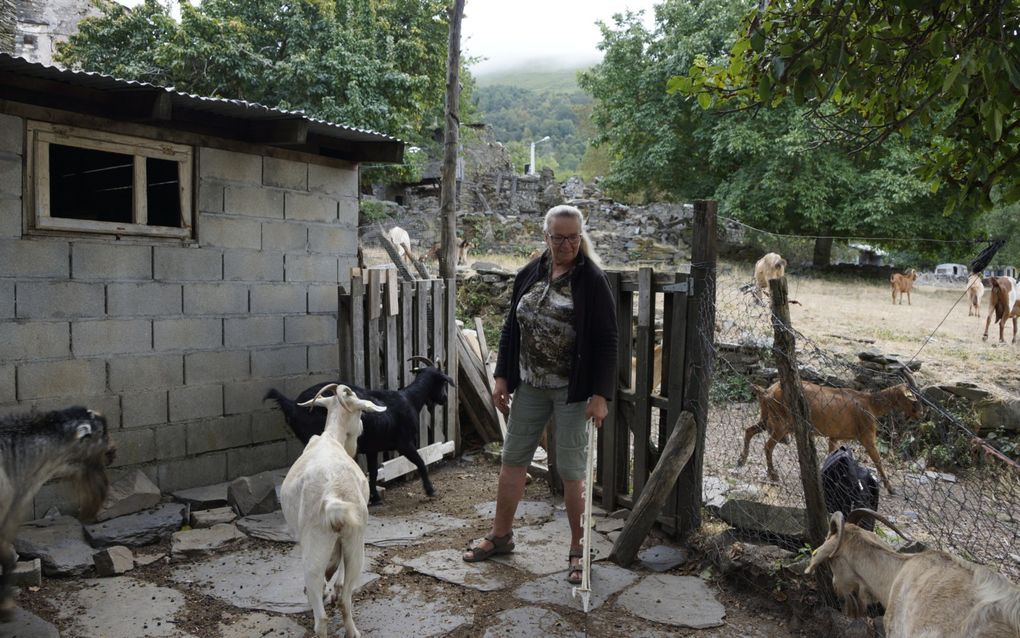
x: 90, y: 184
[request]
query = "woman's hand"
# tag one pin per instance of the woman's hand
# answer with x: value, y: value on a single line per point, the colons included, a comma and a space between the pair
x: 500, y: 396
x: 597, y: 409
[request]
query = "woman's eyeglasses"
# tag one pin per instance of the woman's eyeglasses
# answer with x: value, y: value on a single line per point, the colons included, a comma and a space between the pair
x: 558, y: 240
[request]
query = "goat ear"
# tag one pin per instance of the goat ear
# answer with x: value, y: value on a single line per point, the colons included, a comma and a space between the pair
x: 831, y: 544
x: 82, y: 430
x: 449, y: 380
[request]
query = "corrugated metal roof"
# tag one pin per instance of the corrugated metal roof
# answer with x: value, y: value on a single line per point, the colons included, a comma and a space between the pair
x: 238, y: 109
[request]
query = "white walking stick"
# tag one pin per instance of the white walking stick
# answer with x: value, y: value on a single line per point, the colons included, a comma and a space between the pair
x: 589, y: 478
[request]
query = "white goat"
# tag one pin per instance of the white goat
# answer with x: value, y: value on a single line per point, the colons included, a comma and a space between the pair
x: 931, y: 594
x: 325, y: 502
x: 771, y: 266
x: 975, y: 289
x: 402, y: 240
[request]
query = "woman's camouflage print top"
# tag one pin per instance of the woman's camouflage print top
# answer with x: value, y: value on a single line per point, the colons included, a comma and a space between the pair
x: 546, y: 317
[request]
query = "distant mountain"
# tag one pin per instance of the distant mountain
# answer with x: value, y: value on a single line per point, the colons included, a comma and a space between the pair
x: 563, y: 80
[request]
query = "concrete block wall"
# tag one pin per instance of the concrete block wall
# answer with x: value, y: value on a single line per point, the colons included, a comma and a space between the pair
x: 176, y: 344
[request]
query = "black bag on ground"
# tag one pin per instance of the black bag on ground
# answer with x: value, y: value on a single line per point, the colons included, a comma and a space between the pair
x: 848, y: 485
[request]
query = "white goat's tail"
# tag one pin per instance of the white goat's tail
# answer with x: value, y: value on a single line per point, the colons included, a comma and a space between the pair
x: 340, y: 514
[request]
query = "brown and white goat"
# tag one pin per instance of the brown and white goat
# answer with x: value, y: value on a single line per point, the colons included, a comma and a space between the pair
x: 1004, y: 302
x: 902, y: 284
x: 975, y: 288
x: 931, y: 594
x: 771, y: 266
x: 841, y: 414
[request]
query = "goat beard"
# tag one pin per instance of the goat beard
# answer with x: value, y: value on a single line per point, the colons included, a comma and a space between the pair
x: 93, y: 485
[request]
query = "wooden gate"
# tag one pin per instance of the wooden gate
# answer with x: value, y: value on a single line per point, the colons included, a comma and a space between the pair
x: 382, y: 322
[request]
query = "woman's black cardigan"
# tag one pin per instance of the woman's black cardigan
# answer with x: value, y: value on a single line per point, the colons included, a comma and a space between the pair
x: 594, y: 369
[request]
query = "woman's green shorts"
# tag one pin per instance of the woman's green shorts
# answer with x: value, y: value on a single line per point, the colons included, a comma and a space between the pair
x: 529, y: 412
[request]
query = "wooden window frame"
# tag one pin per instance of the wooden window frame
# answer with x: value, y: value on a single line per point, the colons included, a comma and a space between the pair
x: 39, y: 137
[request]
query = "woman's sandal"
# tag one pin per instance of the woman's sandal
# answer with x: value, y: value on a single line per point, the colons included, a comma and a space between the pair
x: 500, y: 545
x: 575, y: 569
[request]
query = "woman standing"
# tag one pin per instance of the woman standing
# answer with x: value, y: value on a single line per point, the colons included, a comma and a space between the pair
x: 557, y: 356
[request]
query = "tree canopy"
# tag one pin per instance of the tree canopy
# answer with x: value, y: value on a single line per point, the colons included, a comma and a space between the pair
x: 868, y: 70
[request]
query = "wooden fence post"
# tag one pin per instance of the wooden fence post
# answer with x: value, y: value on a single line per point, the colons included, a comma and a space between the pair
x: 700, y: 359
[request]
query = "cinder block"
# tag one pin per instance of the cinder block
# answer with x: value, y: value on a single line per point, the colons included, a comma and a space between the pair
x: 35, y: 340
x: 142, y: 300
x: 334, y: 240
x: 187, y: 334
x: 187, y: 264
x: 318, y: 268
x: 134, y: 446
x: 324, y: 359
x: 210, y: 197
x: 229, y: 232
x: 242, y: 397
x: 196, y: 402
x: 6, y: 299
x: 310, y: 329
x: 34, y: 258
x: 323, y: 298
x: 12, y: 134
x: 10, y: 175
x: 10, y: 217
x: 268, y: 425
x: 310, y: 207
x: 283, y: 236
x: 294, y: 450
x: 219, y: 434
x: 253, y: 201
x: 111, y: 336
x: 287, y: 298
x: 80, y: 377
x: 277, y: 361
x: 344, y: 270
x: 110, y: 261
x: 347, y: 211
x: 60, y: 494
x: 298, y: 383
x: 215, y: 299
x: 144, y: 408
x: 337, y: 182
x: 207, y: 469
x: 206, y: 367
x: 58, y: 300
x: 246, y: 461
x: 171, y: 441
x: 252, y: 266
x: 252, y: 331
x: 214, y: 163
x: 7, y: 384
x: 106, y: 404
x: 284, y: 173
x: 146, y: 373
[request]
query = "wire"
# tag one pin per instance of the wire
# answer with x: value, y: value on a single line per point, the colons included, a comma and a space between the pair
x: 874, y: 239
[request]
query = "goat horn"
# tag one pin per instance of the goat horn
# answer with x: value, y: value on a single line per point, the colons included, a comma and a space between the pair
x: 860, y: 514
x: 838, y: 517
x: 418, y: 357
x: 328, y: 386
x: 909, y: 377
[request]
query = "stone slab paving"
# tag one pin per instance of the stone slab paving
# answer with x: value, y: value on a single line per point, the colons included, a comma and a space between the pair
x: 58, y: 542
x: 255, y: 578
x: 208, y: 518
x: 122, y: 607
x: 441, y: 522
x: 398, y: 612
x: 661, y: 558
x: 206, y: 540
x: 384, y: 531
x: 526, y: 510
x: 529, y: 622
x: 25, y: 624
x: 261, y: 625
x: 143, y: 528
x: 606, y: 580
x: 203, y: 498
x: 542, y: 549
x: 681, y: 601
x: 270, y: 527
x: 606, y: 525
x: 446, y: 564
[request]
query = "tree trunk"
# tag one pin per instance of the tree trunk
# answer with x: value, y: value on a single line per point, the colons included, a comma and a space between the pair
x: 448, y: 194
x: 823, y: 251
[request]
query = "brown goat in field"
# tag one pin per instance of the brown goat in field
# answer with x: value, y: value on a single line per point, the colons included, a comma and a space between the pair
x: 1004, y: 302
x: 902, y: 284
x: 975, y: 288
x: 838, y: 413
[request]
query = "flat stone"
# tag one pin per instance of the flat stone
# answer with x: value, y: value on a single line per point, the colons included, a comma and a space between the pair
x: 681, y: 601
x: 446, y: 564
x: 122, y: 607
x: 205, y: 541
x: 203, y: 498
x: 661, y: 558
x: 135, y: 530
x: 131, y: 493
x: 27, y: 573
x: 113, y: 561
x: 141, y: 560
x: 262, y: 625
x: 255, y: 578
x: 383, y: 531
x: 25, y: 624
x: 533, y: 511
x: 713, y: 491
x: 58, y: 542
x: 607, y: 525
x: 253, y: 495
x: 771, y: 522
x: 441, y: 522
x: 542, y: 549
x: 215, y: 516
x: 270, y: 527
x: 399, y: 612
x: 528, y: 622
x: 606, y: 580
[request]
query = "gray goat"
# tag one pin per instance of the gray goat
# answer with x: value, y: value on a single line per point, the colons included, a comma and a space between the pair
x: 35, y: 448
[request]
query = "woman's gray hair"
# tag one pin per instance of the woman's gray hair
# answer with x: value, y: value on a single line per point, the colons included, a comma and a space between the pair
x: 564, y: 210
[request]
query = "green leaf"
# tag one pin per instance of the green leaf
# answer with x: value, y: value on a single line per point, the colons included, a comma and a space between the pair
x: 757, y: 40
x: 764, y: 89
x: 704, y: 100
x: 954, y: 72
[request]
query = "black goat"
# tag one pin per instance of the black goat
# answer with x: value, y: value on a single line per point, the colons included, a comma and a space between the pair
x: 395, y: 429
x: 35, y: 448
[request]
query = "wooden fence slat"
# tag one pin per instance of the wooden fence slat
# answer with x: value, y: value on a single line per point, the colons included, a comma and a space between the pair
x: 421, y: 344
x: 642, y: 387
x: 373, y: 346
x: 453, y: 363
x: 390, y: 309
x: 610, y: 431
x: 358, y: 333
x: 406, y: 331
x: 438, y: 354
